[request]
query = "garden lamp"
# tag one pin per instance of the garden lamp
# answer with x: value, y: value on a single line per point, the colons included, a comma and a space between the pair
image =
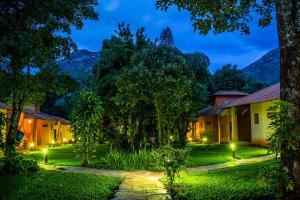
x: 53, y: 143
x: 45, y: 156
x: 233, y: 150
x: 204, y: 140
x: 31, y: 146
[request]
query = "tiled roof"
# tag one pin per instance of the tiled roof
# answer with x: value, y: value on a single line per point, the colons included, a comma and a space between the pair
x: 2, y: 105
x: 267, y: 94
x: 40, y: 115
x: 214, y: 110
x: 230, y: 93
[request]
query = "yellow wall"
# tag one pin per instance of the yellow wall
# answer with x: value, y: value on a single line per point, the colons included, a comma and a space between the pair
x: 4, y: 128
x: 260, y: 132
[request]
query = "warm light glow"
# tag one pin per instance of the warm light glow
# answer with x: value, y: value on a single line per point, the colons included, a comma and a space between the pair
x: 190, y: 139
x: 171, y: 137
x: 73, y: 139
x: 31, y: 144
x: 29, y: 121
x: 205, y: 139
x: 79, y: 138
x: 64, y: 139
x: 45, y: 151
x: 232, y: 146
x: 52, y: 142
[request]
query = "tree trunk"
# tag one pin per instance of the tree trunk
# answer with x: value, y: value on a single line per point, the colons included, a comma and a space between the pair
x: 159, y: 123
x: 288, y: 24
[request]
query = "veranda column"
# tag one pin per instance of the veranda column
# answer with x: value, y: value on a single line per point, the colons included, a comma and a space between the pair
x: 234, y: 125
x: 219, y: 129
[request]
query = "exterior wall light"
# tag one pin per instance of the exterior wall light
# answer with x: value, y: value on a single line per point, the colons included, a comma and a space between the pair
x: 29, y: 121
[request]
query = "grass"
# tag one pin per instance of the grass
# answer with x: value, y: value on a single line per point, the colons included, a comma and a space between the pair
x: 144, y: 160
x: 48, y: 185
x: 241, y: 182
x: 215, y: 154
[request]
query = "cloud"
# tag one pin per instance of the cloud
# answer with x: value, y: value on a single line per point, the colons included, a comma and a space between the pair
x: 112, y: 5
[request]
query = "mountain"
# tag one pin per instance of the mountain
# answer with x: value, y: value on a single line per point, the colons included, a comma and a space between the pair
x: 266, y: 69
x: 80, y: 63
x: 166, y: 38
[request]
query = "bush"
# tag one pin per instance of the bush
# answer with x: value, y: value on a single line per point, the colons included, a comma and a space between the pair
x: 171, y: 159
x: 19, y: 163
x: 142, y: 159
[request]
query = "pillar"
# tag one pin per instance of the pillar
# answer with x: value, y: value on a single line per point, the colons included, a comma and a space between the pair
x: 219, y: 130
x: 234, y: 135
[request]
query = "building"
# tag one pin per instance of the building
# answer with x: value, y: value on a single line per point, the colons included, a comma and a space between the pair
x: 236, y: 116
x: 40, y: 129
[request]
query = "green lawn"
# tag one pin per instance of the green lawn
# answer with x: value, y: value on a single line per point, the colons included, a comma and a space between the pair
x: 214, y: 154
x: 48, y: 185
x: 200, y: 155
x: 241, y: 182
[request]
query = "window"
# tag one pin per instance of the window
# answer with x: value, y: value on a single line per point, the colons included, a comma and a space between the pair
x: 207, y: 123
x: 256, y: 118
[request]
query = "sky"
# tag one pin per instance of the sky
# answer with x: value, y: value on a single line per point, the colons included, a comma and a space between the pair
x: 233, y: 48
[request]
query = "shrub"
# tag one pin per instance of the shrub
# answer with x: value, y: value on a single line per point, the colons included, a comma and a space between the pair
x: 141, y: 159
x: 19, y: 163
x: 86, y: 117
x: 2, y: 124
x: 171, y: 159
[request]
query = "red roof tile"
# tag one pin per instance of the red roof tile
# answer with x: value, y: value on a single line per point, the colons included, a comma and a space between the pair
x: 230, y: 93
x: 267, y: 94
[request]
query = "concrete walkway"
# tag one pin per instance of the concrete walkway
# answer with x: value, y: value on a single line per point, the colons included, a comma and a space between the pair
x: 233, y: 163
x: 146, y: 185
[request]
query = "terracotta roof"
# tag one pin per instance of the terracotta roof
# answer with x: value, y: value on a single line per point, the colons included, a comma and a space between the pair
x: 3, y: 105
x: 40, y: 115
x: 267, y: 94
x: 230, y: 93
x: 214, y: 110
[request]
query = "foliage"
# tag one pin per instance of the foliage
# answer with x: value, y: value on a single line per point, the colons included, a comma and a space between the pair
x: 228, y: 78
x: 52, y: 185
x: 86, y: 117
x: 29, y: 44
x: 2, y: 130
x: 171, y: 159
x: 141, y: 159
x: 239, y: 182
x: 252, y: 85
x: 283, y: 140
x: 231, y: 15
x: 146, y: 89
x: 19, y: 163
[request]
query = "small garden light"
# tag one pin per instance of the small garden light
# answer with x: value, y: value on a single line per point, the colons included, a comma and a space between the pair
x: 53, y: 143
x: 204, y: 140
x: 45, y: 156
x: 64, y: 140
x: 233, y: 150
x: 31, y: 146
x: 73, y: 140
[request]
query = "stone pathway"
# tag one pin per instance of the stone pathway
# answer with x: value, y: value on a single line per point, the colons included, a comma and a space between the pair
x: 233, y: 163
x: 146, y: 185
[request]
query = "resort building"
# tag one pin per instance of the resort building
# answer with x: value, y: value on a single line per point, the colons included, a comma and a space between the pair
x: 40, y: 129
x: 236, y: 116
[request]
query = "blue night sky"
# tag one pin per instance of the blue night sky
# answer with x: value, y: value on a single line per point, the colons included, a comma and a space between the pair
x: 225, y: 48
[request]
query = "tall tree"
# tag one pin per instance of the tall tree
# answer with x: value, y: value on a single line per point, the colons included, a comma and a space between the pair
x: 29, y: 42
x: 235, y: 15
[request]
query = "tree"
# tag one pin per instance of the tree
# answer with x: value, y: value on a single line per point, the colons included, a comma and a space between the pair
x: 86, y: 118
x: 221, y: 16
x: 228, y: 78
x: 252, y: 85
x: 2, y: 133
x: 29, y: 43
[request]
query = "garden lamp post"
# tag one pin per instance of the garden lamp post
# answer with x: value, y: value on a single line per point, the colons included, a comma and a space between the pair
x: 31, y: 146
x: 233, y: 150
x: 52, y: 143
x: 64, y: 140
x: 204, y: 140
x: 45, y: 156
